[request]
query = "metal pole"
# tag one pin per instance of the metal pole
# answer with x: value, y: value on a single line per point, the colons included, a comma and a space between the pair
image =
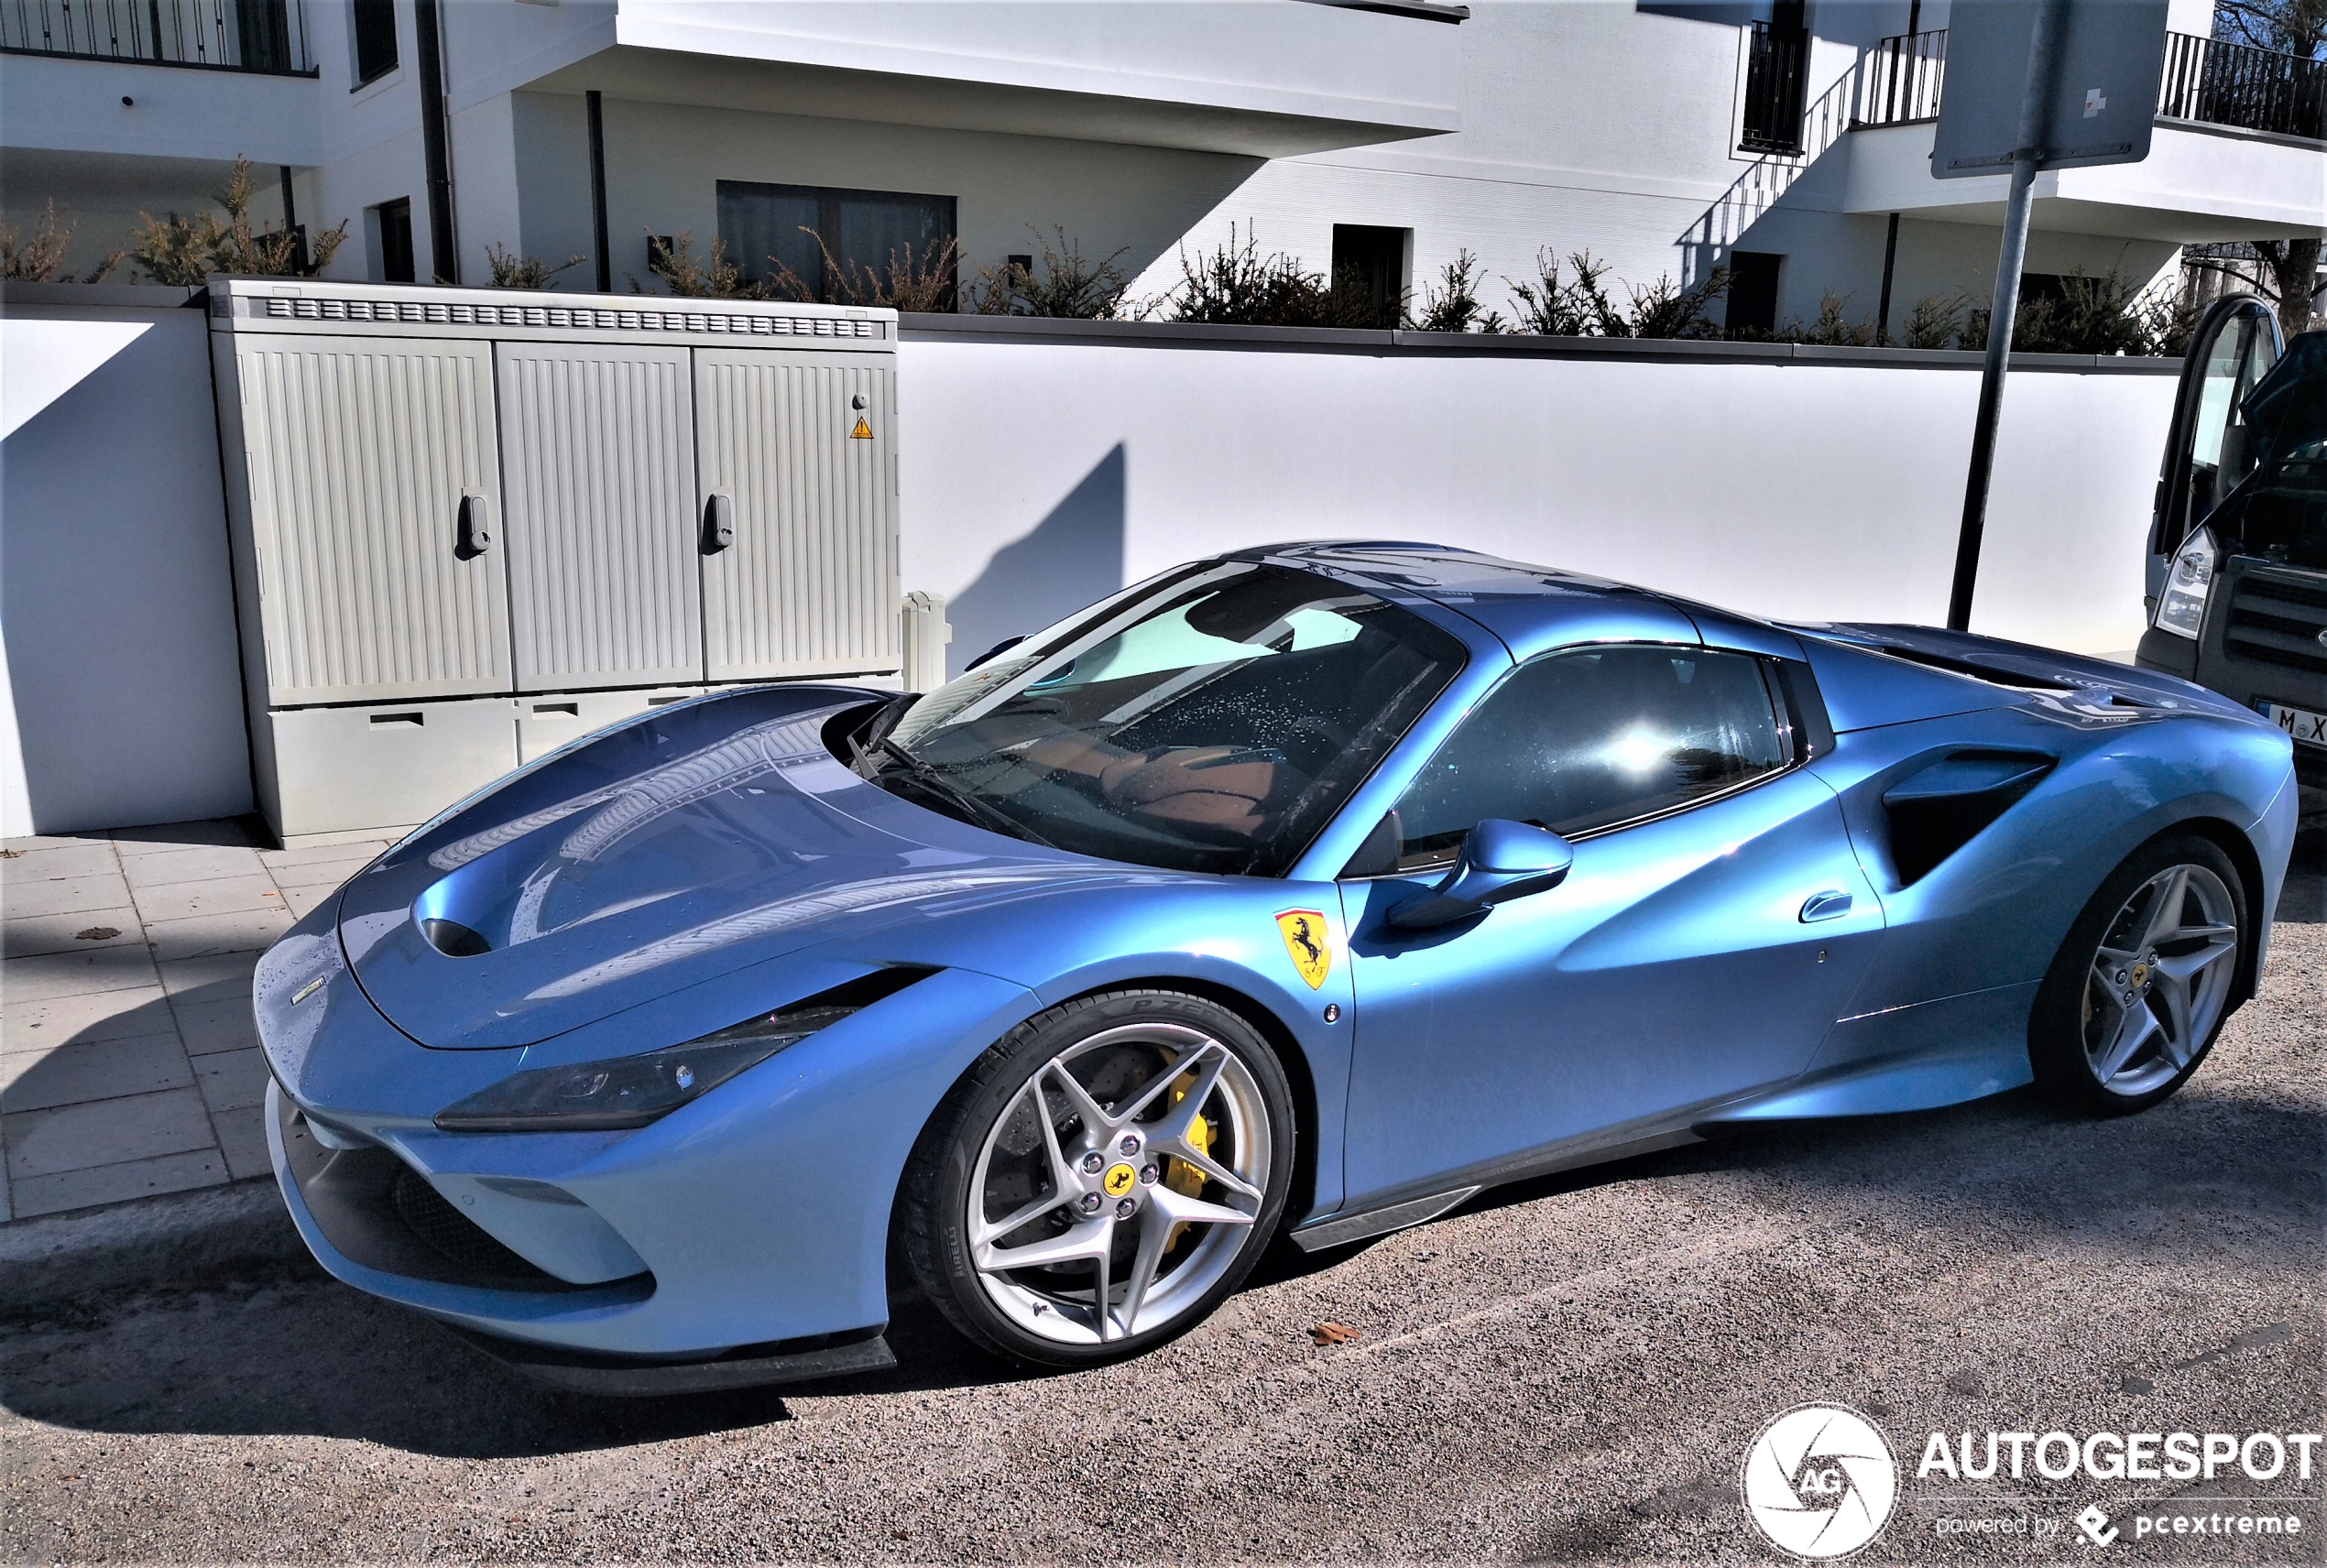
x: 597, y: 192
x: 1890, y: 263
x: 2001, y: 309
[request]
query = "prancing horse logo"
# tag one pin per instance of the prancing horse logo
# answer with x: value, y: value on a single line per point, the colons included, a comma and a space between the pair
x: 1309, y: 942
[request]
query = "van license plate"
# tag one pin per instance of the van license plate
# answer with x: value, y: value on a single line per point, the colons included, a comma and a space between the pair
x: 2303, y: 727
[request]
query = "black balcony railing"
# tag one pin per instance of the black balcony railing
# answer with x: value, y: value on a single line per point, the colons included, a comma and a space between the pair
x: 1900, y: 78
x: 269, y: 36
x: 1777, y: 62
x: 2205, y: 80
x: 2223, y: 83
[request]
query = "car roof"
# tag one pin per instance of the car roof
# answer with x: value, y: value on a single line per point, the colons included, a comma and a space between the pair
x: 1529, y: 608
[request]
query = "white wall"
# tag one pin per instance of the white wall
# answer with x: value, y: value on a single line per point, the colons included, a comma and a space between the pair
x: 1037, y: 476
x: 116, y: 608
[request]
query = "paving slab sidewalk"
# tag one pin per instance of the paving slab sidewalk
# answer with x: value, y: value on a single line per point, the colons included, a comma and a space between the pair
x: 128, y: 1062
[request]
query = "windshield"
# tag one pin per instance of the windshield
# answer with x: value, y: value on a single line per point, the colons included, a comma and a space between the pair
x: 1212, y: 720
x: 2281, y: 513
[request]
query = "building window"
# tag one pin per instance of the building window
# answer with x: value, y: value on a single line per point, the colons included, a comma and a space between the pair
x: 1753, y: 292
x: 773, y: 230
x: 1778, y: 65
x: 1375, y: 260
x: 374, y: 28
x: 389, y: 227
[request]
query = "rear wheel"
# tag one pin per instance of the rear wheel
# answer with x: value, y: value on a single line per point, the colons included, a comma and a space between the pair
x: 1102, y: 1178
x: 2141, y: 987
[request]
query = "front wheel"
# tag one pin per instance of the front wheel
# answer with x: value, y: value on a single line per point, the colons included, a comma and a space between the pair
x: 2142, y: 985
x: 1102, y: 1178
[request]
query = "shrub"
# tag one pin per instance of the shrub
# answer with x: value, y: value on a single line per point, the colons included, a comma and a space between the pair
x: 1237, y: 285
x: 1932, y: 324
x: 186, y: 251
x: 673, y: 260
x: 910, y: 282
x: 512, y: 270
x: 1452, y: 304
x: 1580, y: 306
x: 1064, y: 285
x: 2093, y: 315
x: 39, y: 256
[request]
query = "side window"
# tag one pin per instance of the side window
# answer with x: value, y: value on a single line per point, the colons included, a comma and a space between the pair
x: 1593, y: 737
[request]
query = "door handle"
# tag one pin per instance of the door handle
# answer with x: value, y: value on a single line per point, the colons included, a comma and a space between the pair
x: 718, y: 522
x: 1830, y: 905
x: 475, y: 528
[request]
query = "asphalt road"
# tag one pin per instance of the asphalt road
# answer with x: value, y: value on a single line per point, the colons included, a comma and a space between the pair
x: 1569, y: 1370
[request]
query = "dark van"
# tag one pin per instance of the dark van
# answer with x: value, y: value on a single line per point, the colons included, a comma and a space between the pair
x: 2237, y: 584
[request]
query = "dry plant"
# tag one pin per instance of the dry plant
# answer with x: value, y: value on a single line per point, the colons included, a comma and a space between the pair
x: 186, y: 251
x: 39, y: 256
x: 512, y: 270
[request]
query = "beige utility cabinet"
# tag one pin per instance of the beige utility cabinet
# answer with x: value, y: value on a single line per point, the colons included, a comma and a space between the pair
x: 471, y: 524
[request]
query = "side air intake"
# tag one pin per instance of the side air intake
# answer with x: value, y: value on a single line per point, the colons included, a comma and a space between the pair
x: 1938, y: 810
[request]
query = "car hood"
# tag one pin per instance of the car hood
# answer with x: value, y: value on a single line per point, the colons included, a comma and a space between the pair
x: 693, y: 841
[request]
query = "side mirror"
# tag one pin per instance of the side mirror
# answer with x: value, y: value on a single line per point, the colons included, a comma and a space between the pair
x: 1500, y: 859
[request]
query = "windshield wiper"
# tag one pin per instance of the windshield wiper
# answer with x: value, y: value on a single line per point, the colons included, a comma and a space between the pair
x: 936, y: 783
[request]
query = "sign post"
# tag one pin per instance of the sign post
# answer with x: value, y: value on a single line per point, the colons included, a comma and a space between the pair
x: 2034, y: 85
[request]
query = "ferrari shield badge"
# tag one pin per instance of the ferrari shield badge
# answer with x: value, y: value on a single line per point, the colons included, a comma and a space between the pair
x: 1311, y: 945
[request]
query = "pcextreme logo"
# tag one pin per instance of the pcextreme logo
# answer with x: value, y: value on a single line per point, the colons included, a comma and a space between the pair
x: 1820, y: 1481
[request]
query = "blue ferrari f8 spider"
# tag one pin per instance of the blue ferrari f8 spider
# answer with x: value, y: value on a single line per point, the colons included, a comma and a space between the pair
x: 1307, y: 890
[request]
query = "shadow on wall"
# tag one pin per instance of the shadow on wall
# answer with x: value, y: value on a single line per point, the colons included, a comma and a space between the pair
x: 116, y: 604
x: 1074, y: 557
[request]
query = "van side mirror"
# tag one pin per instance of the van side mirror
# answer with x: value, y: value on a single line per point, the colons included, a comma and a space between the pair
x: 1500, y: 859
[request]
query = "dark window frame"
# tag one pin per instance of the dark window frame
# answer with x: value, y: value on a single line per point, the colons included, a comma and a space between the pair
x: 829, y: 200
x: 395, y: 220
x: 373, y: 20
x: 1794, y: 733
x: 1773, y: 274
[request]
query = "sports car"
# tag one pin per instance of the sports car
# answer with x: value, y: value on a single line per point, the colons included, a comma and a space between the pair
x: 1302, y: 891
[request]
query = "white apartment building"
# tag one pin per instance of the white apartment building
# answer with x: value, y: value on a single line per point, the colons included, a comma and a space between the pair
x: 1786, y: 140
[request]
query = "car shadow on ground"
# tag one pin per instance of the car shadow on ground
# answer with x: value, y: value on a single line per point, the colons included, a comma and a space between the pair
x: 296, y: 1352
x: 283, y: 1349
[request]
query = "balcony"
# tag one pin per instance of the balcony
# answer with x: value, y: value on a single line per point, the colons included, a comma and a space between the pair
x: 1261, y: 78
x: 2206, y: 83
x: 2237, y: 152
x: 265, y: 38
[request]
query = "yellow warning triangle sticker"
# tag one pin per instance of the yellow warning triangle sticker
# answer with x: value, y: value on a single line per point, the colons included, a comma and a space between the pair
x: 863, y: 430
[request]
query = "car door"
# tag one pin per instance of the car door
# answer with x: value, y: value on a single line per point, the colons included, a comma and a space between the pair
x: 1712, y: 927
x: 2236, y: 345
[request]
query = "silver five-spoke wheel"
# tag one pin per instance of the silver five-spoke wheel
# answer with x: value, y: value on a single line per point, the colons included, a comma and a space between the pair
x: 2144, y: 979
x: 1107, y: 1198
x: 2160, y: 980
x: 1102, y: 1177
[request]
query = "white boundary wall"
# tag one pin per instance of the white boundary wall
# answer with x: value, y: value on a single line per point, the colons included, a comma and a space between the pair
x: 1044, y: 464
x: 121, y: 697
x: 1823, y: 488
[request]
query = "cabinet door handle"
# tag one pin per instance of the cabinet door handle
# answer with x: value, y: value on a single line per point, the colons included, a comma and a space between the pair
x: 476, y: 532
x: 718, y: 522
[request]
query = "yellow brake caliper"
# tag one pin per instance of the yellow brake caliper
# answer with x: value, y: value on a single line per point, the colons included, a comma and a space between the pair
x: 1184, y: 1178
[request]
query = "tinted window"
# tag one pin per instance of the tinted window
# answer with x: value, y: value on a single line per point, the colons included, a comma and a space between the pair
x: 1213, y: 721
x: 797, y: 234
x: 1593, y: 737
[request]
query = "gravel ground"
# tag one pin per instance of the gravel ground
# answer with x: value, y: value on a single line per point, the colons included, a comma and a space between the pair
x: 1567, y: 1370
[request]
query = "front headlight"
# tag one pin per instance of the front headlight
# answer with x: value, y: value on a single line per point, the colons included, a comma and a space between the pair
x: 2181, y: 608
x: 630, y: 1091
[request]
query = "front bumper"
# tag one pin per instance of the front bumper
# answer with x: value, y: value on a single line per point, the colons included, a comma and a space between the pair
x: 738, y: 1226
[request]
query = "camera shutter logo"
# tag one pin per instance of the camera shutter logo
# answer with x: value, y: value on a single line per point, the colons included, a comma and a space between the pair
x: 1820, y: 1481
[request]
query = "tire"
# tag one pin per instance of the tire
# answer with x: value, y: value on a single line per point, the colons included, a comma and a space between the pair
x: 2140, y: 988
x: 1170, y: 1153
